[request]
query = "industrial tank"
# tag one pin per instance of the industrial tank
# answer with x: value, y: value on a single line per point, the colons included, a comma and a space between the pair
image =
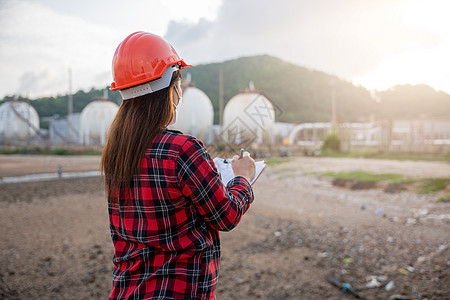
x: 95, y: 120
x: 18, y: 121
x: 248, y: 118
x: 195, y: 115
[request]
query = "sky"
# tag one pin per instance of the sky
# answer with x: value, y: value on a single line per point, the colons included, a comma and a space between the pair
x: 374, y: 43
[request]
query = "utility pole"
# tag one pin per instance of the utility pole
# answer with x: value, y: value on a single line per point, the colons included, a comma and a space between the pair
x: 220, y: 97
x: 70, y: 108
x: 333, y: 106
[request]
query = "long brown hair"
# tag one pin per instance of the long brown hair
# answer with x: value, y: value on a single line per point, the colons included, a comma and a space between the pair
x: 132, y: 131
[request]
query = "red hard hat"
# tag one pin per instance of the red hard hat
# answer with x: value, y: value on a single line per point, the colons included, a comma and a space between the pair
x: 142, y: 57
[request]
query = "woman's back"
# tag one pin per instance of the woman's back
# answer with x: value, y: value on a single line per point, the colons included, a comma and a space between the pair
x: 165, y: 225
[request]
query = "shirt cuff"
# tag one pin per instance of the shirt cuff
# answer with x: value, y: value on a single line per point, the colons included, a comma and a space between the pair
x: 244, y: 187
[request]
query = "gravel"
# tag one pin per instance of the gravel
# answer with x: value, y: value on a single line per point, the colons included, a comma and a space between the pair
x: 300, y: 230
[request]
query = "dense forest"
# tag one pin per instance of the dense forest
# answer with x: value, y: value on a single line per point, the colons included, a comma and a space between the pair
x: 300, y: 94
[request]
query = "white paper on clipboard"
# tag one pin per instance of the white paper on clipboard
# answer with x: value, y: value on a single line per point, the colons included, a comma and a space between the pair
x: 226, y: 171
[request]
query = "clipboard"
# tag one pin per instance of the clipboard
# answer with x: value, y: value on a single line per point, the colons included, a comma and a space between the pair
x: 226, y: 171
x: 257, y: 174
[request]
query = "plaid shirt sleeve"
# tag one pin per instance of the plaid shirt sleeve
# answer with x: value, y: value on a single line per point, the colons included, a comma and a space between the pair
x: 198, y: 178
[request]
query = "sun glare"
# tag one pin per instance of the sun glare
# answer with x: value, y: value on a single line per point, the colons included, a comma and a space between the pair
x: 425, y: 60
x: 429, y: 15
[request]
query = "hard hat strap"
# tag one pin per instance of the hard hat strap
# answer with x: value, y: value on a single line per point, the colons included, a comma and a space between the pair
x: 151, y: 86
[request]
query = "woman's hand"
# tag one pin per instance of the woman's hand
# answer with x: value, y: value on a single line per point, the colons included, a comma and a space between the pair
x: 244, y: 166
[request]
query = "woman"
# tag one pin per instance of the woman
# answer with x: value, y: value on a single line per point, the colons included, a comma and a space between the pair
x: 166, y: 201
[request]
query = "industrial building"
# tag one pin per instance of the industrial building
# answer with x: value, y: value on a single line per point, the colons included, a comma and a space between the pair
x: 196, y: 115
x: 419, y: 135
x: 19, y: 122
x: 20, y: 125
x: 58, y: 130
x: 248, y: 120
x: 95, y: 120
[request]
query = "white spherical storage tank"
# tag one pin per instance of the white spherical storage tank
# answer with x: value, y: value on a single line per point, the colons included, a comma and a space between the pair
x: 248, y: 118
x: 195, y: 115
x: 95, y: 120
x: 18, y: 121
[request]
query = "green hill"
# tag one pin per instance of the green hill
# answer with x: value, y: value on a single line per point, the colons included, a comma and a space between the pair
x: 412, y: 101
x: 301, y: 94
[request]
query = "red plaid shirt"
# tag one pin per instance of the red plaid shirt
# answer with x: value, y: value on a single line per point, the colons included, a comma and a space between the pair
x: 165, y: 228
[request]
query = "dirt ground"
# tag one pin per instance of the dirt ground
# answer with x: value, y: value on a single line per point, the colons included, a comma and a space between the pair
x: 16, y: 165
x: 299, y: 230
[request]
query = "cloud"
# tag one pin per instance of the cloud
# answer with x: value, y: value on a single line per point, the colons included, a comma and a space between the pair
x: 39, y: 46
x: 347, y: 38
x: 50, y: 36
x: 187, y: 33
x: 31, y: 81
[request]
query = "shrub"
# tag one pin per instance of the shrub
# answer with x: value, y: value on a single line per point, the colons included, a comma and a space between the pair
x: 62, y: 151
x: 434, y: 185
x: 331, y: 143
x: 445, y: 199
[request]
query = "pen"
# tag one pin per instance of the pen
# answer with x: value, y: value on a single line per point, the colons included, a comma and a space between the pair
x: 241, y: 154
